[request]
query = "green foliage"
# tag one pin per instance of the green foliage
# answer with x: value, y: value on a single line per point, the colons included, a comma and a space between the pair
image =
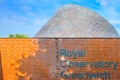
x: 18, y: 36
x: 11, y: 35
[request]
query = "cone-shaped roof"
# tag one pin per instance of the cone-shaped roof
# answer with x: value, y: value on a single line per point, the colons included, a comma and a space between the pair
x: 77, y: 21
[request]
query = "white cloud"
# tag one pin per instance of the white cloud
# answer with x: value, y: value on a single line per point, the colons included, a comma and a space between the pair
x: 26, y: 8
x: 109, y: 2
x: 115, y: 22
x: 118, y: 30
x: 110, y: 7
x: 38, y: 21
x: 25, y: 2
x: 21, y: 21
x: 102, y: 2
x: 110, y: 10
x: 20, y: 24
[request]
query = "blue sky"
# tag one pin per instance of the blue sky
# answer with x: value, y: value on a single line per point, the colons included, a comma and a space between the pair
x: 28, y: 16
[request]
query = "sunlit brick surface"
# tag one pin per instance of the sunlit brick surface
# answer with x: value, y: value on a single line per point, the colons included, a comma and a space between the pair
x: 26, y: 59
x: 38, y: 59
x: 96, y: 50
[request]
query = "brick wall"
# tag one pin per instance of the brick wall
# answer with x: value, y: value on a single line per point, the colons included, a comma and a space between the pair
x: 39, y: 59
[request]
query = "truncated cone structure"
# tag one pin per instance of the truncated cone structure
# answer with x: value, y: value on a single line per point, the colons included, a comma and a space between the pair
x: 76, y: 21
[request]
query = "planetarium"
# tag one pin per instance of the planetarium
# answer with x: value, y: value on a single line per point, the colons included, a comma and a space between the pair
x: 77, y: 21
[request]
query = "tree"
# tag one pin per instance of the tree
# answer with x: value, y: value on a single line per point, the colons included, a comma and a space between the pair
x: 18, y: 35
